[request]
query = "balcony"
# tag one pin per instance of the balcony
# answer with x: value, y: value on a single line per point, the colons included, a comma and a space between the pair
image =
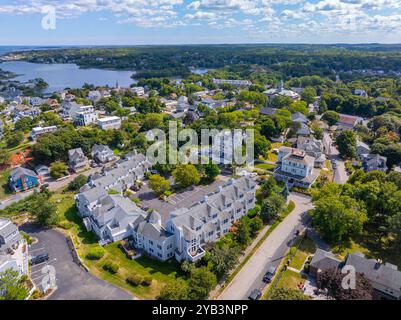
x: 196, y: 255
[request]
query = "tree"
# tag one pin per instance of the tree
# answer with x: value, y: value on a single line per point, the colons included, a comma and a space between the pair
x: 338, y: 217
x: 331, y: 280
x: 12, y: 286
x: 14, y: 139
x: 255, y: 225
x: 223, y: 260
x: 201, y: 282
x: 331, y: 117
x: 159, y: 184
x: 212, y: 171
x: 175, y: 290
x: 272, y: 206
x: 262, y: 145
x: 346, y: 142
x: 243, y: 233
x: 309, y: 95
x: 78, y: 183
x: 58, y: 170
x: 46, y: 213
x: 186, y: 175
x: 317, y: 130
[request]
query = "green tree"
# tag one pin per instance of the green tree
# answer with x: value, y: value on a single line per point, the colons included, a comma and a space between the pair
x: 177, y: 289
x: 212, y: 171
x: 159, y: 184
x: 346, y: 143
x: 12, y: 286
x: 272, y: 206
x: 78, y: 183
x: 309, y: 95
x: 186, y: 175
x: 243, y: 233
x: 255, y: 225
x: 14, y: 139
x: 58, y: 170
x: 223, y: 260
x: 338, y: 217
x: 46, y: 213
x: 331, y: 117
x: 200, y: 283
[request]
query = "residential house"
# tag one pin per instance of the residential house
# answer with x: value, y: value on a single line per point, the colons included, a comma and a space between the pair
x: 37, y: 101
x: 266, y: 111
x: 296, y: 168
x: 182, y: 104
x: 77, y: 160
x: 361, y: 93
x: 385, y: 278
x: 102, y: 154
x: 373, y: 162
x: 70, y: 109
x: 40, y: 131
x: 43, y: 171
x: 281, y: 91
x: 362, y: 149
x: 22, y: 179
x: 139, y: 91
x: 299, y: 117
x: 348, y: 122
x: 313, y: 148
x: 23, y: 111
x: 85, y: 118
x: 13, y: 248
x: 109, y: 123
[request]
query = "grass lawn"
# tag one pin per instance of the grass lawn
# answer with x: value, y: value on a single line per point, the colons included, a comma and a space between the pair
x: 160, y: 272
x: 4, y: 189
x: 265, y: 166
x: 306, y: 248
x: 290, y: 280
x: 371, y: 247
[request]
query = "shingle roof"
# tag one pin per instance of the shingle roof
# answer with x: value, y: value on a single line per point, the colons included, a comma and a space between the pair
x: 324, y: 260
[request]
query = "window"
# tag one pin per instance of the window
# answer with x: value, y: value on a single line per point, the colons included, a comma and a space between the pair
x: 151, y: 250
x: 159, y: 247
x: 151, y: 242
x: 210, y: 233
x: 225, y: 221
x: 160, y: 255
x: 238, y: 210
x: 214, y: 216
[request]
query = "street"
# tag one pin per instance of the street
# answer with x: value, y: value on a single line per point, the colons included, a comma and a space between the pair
x: 270, y: 253
x: 340, y: 174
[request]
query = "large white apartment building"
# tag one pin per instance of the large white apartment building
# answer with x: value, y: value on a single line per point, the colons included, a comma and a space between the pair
x: 187, y: 230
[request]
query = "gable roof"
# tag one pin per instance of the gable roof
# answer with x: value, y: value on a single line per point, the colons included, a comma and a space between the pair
x: 324, y: 260
x: 20, y: 171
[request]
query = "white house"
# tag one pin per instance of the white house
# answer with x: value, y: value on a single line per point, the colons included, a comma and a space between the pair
x: 139, y: 91
x: 85, y: 118
x: 39, y: 131
x: 296, y: 168
x: 109, y: 123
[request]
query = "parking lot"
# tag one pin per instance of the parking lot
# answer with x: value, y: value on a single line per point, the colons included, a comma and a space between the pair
x: 71, y: 280
x: 185, y: 198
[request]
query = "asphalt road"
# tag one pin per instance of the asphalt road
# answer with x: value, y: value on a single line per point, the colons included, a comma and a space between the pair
x: 72, y: 281
x: 340, y: 174
x: 270, y: 253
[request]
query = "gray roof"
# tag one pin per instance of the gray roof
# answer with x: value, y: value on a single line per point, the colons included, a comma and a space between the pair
x: 18, y: 172
x: 101, y: 148
x: 299, y: 117
x: 75, y: 154
x: 268, y: 111
x: 324, y: 260
x: 383, y: 274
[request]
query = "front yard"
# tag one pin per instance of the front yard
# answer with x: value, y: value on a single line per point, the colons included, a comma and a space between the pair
x: 306, y: 248
x: 160, y: 273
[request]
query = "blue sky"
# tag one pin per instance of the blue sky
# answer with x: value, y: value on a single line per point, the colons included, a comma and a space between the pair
x: 97, y: 22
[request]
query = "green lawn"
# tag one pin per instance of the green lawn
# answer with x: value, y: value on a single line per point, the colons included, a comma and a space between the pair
x: 265, y: 166
x: 290, y: 280
x: 306, y: 248
x: 160, y: 272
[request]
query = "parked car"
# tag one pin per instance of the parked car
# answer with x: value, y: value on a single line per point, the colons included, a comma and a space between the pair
x: 255, y: 295
x: 268, y: 277
x: 39, y: 258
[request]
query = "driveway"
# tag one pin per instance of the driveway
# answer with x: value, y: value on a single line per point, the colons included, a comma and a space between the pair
x: 270, y: 253
x: 340, y: 174
x: 73, y: 282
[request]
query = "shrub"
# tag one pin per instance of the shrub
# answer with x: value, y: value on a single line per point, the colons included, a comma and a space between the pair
x: 134, y: 280
x: 95, y: 254
x: 66, y: 225
x: 147, y: 281
x: 111, y: 267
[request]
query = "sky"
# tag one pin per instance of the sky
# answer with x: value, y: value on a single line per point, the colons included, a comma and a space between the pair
x: 139, y: 22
